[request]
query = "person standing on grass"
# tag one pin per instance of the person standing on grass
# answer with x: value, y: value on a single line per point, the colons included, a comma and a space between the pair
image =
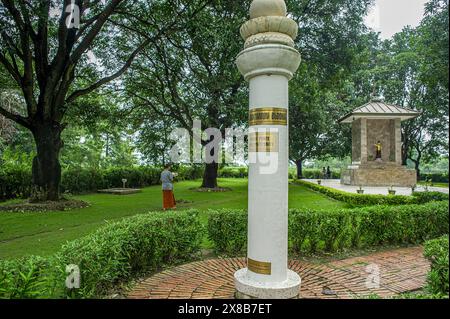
x: 328, y: 172
x: 167, y: 188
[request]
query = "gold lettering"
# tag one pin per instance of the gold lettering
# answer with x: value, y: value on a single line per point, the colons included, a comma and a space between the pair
x: 263, y: 142
x: 268, y: 116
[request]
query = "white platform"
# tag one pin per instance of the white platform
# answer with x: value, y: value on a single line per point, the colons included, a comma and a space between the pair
x: 247, y: 288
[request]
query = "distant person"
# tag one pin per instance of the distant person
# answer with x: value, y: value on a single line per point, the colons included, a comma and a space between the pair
x: 167, y: 188
x: 324, y: 173
x: 328, y: 172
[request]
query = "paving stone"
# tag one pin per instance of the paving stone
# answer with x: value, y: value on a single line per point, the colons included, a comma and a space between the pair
x: 401, y: 270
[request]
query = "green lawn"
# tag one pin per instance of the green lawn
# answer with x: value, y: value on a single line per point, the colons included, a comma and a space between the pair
x: 43, y: 233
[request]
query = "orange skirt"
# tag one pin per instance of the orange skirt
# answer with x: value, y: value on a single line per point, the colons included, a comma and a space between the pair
x: 168, y: 199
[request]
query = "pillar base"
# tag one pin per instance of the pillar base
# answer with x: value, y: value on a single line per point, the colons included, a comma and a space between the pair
x: 247, y: 288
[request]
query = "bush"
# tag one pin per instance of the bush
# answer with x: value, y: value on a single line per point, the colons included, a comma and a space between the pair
x: 191, y: 172
x: 369, y: 200
x: 15, y: 182
x: 228, y: 230
x: 313, y: 231
x: 233, y: 172
x: 29, y: 277
x: 437, y: 253
x: 112, y: 254
x: 426, y: 197
x: 78, y: 181
x: 435, y: 177
x: 317, y: 174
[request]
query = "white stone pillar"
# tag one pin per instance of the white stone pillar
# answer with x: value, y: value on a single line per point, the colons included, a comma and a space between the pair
x: 268, y: 62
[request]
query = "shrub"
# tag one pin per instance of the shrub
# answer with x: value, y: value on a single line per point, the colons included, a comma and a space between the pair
x: 113, y: 253
x: 435, y: 177
x: 15, y: 181
x: 425, y: 197
x: 191, y: 172
x: 437, y: 253
x: 312, y: 231
x: 228, y: 230
x: 29, y: 277
x: 233, y: 172
x: 317, y: 174
x: 369, y: 200
x: 81, y: 180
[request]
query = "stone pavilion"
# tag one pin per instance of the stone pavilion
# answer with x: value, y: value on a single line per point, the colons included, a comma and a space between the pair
x: 377, y: 126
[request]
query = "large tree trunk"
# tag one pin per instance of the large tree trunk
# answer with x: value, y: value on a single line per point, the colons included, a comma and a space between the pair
x: 46, y: 167
x: 299, y: 164
x: 210, y: 175
x: 418, y: 173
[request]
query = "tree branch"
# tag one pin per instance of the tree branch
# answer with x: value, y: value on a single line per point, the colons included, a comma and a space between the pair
x: 16, y: 118
x: 107, y: 79
x: 90, y: 36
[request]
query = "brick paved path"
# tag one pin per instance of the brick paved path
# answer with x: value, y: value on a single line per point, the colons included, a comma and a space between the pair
x: 401, y: 270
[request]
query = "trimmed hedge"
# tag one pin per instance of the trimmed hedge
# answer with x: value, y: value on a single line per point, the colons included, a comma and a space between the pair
x: 435, y: 177
x: 16, y: 182
x: 437, y: 253
x: 242, y: 172
x: 317, y: 174
x: 228, y: 230
x: 369, y: 200
x: 313, y: 231
x: 233, y: 172
x: 112, y: 254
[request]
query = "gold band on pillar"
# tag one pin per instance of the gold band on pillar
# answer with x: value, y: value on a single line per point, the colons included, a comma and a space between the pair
x: 268, y: 116
x: 259, y: 267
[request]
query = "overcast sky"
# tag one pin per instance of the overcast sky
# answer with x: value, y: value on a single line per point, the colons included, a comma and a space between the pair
x: 390, y: 16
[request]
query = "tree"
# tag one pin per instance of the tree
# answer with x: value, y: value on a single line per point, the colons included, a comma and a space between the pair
x: 331, y: 39
x: 405, y: 81
x: 192, y: 75
x: 45, y: 48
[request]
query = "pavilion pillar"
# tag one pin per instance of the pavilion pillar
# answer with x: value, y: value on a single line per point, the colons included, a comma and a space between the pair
x: 398, y: 141
x: 363, y: 140
x: 268, y: 62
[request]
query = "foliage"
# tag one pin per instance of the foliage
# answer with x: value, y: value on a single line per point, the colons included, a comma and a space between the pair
x: 367, y: 200
x: 51, y: 229
x: 55, y: 63
x: 114, y: 253
x: 15, y: 181
x: 28, y: 278
x: 233, y: 172
x: 313, y: 231
x: 426, y: 197
x: 437, y: 253
x: 318, y: 174
x: 228, y: 230
x: 435, y: 177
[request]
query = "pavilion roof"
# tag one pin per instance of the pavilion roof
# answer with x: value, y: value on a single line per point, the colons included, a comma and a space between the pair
x: 380, y: 110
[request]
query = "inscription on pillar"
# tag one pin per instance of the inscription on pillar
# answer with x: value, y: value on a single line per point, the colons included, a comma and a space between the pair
x: 259, y: 267
x: 268, y: 116
x: 263, y: 142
